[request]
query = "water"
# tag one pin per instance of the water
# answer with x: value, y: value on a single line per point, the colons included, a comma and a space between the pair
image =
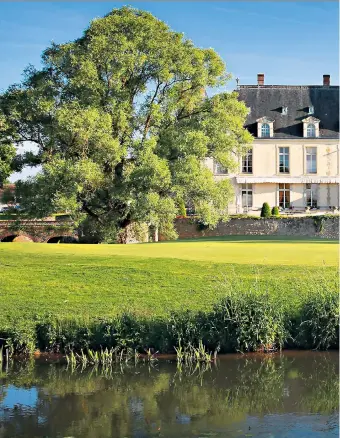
x: 292, y: 395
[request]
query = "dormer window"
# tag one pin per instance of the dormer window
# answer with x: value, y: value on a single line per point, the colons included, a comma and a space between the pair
x: 285, y: 110
x: 265, y: 128
x: 311, y: 127
x: 311, y: 110
x: 311, y: 130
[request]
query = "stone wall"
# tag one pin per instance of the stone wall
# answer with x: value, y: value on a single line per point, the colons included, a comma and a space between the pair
x: 318, y: 226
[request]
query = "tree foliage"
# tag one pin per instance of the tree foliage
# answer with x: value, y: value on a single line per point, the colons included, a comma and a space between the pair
x: 7, y: 150
x: 123, y: 125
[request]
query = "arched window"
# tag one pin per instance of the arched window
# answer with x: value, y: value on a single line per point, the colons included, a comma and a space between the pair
x: 311, y: 130
x: 265, y: 130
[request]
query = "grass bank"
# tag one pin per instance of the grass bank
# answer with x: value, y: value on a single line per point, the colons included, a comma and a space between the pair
x: 58, y: 297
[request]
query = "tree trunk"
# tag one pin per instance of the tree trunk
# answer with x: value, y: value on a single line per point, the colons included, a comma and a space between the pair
x: 123, y: 235
x: 133, y: 232
x: 153, y: 233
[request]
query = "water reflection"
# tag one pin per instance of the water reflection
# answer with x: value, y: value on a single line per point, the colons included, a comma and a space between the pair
x: 293, y: 395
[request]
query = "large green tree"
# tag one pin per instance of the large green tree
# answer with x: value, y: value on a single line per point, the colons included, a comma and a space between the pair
x: 123, y: 126
x: 7, y: 151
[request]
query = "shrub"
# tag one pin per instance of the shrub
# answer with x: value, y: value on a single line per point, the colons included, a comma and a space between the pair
x: 63, y: 335
x: 181, y: 208
x: 319, y: 326
x: 19, y: 337
x: 185, y: 327
x: 265, y: 211
x: 319, y: 223
x: 275, y: 211
x: 249, y: 321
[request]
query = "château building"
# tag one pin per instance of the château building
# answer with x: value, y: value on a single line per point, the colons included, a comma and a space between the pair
x: 294, y: 159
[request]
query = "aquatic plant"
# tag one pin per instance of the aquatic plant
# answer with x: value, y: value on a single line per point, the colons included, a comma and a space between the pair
x: 190, y: 354
x: 71, y: 359
x: 107, y: 357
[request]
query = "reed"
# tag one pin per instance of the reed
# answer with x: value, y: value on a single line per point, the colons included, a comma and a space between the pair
x: 108, y: 357
x: 71, y: 359
x: 191, y: 354
x: 150, y: 356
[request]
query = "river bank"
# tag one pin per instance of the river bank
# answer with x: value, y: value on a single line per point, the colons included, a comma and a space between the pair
x: 233, y: 294
x: 248, y: 321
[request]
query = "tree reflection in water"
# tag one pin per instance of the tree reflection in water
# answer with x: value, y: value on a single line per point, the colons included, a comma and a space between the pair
x: 165, y: 400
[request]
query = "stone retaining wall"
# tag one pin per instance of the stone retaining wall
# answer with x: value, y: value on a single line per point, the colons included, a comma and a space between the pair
x: 325, y: 227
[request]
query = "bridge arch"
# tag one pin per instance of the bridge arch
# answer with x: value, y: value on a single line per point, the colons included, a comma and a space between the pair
x: 61, y: 239
x: 15, y: 237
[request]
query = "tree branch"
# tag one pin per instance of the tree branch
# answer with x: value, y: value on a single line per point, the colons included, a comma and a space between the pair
x: 148, y: 118
x: 91, y: 213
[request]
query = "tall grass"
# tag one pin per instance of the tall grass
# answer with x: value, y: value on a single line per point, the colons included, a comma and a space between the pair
x: 319, y: 326
x: 247, y: 315
x: 254, y: 320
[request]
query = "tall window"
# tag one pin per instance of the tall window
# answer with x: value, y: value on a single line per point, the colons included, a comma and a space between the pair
x: 284, y: 160
x: 311, y: 195
x: 310, y: 130
x: 265, y: 130
x: 247, y: 162
x: 284, y: 195
x: 247, y: 195
x: 311, y: 166
x: 219, y: 169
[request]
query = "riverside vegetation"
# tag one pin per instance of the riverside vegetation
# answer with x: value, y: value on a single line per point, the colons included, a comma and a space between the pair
x: 253, y: 294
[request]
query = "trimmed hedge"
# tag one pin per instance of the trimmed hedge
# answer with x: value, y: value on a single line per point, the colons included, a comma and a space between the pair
x: 265, y: 211
x: 275, y: 211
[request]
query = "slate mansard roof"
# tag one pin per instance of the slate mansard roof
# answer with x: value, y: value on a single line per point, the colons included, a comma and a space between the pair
x: 268, y: 100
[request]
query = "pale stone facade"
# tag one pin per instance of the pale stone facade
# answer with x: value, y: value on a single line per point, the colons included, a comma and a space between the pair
x: 265, y: 177
x: 294, y: 159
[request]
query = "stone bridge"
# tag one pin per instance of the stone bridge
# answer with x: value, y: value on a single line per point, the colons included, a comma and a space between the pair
x: 37, y: 231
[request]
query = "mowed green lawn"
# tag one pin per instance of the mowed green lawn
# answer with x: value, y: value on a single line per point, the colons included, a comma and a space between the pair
x: 92, y: 281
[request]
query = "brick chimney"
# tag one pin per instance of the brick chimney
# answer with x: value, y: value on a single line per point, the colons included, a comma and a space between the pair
x: 260, y: 79
x: 326, y: 80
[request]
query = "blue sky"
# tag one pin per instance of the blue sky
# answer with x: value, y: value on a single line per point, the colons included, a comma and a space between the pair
x: 291, y: 42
